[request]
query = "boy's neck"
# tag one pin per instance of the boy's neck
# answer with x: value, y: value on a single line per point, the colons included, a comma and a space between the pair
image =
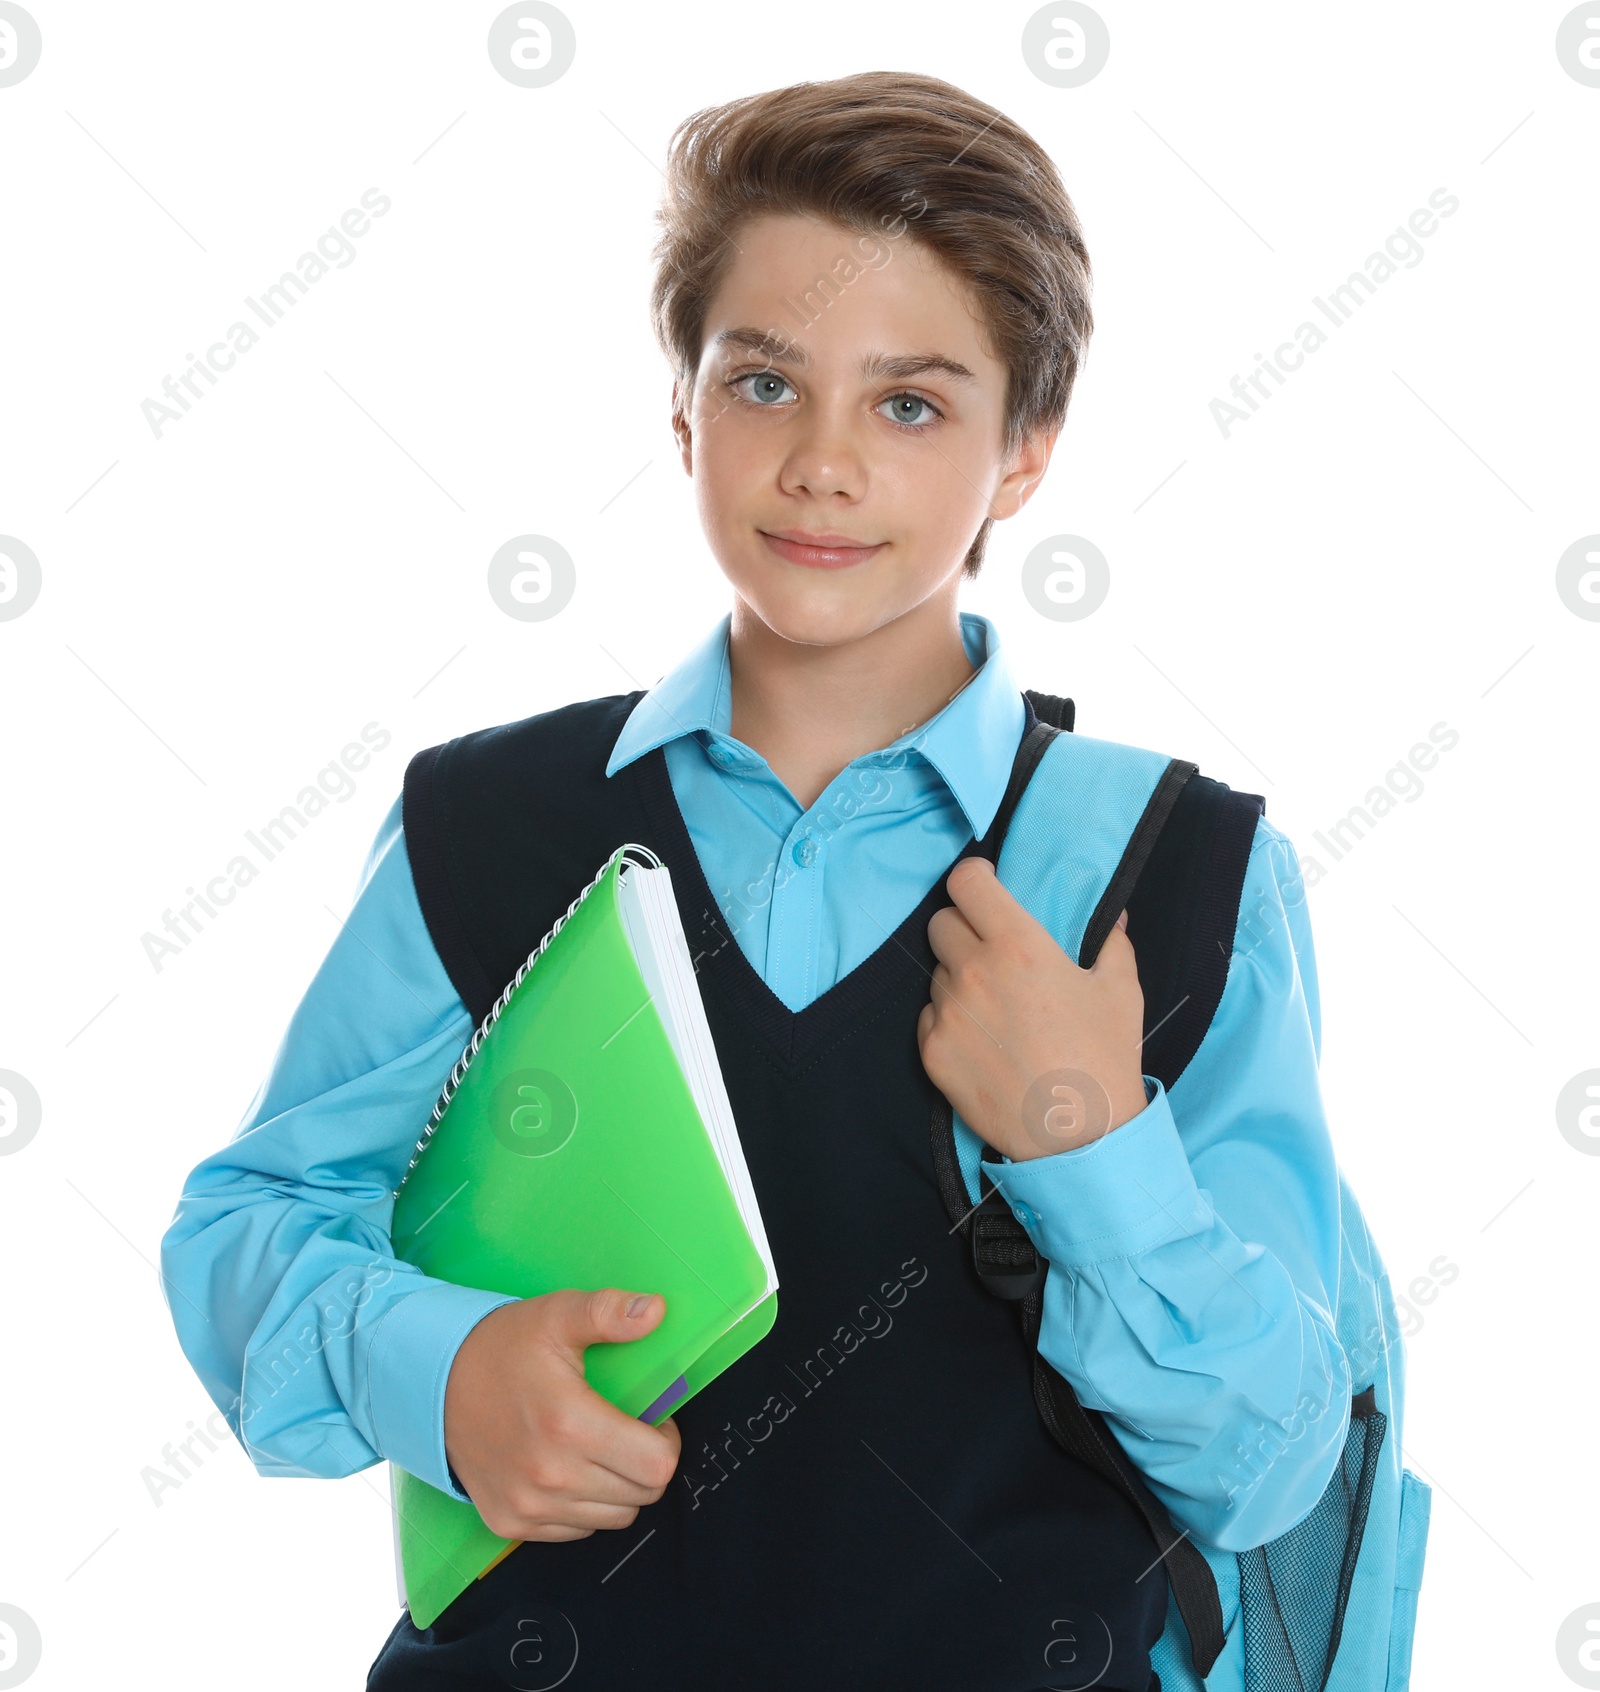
x: 809, y: 710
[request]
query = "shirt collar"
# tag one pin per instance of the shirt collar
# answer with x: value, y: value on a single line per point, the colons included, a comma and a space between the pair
x: 971, y: 742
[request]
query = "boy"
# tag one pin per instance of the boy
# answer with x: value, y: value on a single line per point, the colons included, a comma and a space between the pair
x: 874, y: 294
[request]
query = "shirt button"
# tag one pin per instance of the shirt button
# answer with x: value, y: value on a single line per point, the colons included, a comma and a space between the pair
x: 719, y: 754
x: 1025, y: 1214
x: 805, y: 852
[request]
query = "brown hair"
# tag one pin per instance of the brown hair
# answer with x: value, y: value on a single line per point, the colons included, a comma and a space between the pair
x: 900, y: 153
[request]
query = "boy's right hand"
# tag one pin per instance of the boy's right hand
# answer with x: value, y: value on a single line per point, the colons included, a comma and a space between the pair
x: 539, y: 1451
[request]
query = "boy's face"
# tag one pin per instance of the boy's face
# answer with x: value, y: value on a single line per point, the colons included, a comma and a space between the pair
x: 865, y: 420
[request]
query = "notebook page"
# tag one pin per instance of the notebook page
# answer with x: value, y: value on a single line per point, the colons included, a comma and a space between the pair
x: 394, y: 1522
x: 655, y: 931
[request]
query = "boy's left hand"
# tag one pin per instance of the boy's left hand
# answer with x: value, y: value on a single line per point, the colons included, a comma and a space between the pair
x: 1037, y: 1055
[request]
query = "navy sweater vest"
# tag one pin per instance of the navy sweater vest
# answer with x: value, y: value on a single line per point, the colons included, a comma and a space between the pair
x: 867, y: 1499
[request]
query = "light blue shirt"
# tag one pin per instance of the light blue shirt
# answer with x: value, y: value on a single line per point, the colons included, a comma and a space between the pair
x: 1194, y: 1251
x: 809, y: 892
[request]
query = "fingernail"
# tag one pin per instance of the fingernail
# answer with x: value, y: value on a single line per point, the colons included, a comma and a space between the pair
x: 636, y: 1304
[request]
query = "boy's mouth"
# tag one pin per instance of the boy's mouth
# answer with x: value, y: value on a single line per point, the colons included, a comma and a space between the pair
x: 824, y: 551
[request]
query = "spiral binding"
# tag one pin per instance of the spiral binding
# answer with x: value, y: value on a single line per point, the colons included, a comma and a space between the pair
x: 647, y: 860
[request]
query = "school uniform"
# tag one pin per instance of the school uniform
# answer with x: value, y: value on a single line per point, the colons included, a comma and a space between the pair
x: 868, y: 1494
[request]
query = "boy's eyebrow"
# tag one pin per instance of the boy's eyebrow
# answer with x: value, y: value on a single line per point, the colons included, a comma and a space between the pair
x: 894, y: 366
x: 900, y: 366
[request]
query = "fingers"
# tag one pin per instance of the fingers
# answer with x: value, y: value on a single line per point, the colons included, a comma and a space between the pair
x: 597, y: 1498
x: 559, y: 1516
x: 940, y: 990
x: 951, y: 936
x: 576, y: 1319
x: 583, y: 1473
x: 1116, y: 950
x: 583, y: 1421
x: 980, y: 897
x: 597, y: 1484
x: 591, y: 1517
x: 540, y: 1452
x: 635, y: 1454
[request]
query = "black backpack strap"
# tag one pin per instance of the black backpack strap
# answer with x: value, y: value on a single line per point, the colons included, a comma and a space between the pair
x: 1183, y: 914
x: 1008, y: 1266
x: 1180, y: 879
x: 1051, y: 708
x: 1084, y: 1433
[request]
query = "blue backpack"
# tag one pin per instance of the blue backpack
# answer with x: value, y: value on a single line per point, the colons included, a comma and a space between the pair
x: 1329, y: 1606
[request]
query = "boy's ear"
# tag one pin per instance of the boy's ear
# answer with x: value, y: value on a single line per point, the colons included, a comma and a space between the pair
x: 1028, y: 465
x: 680, y: 427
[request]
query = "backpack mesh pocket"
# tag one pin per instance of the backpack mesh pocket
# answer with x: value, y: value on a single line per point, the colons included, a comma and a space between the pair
x: 1293, y: 1591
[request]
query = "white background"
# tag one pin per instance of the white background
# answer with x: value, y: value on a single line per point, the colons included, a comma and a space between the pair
x: 305, y: 552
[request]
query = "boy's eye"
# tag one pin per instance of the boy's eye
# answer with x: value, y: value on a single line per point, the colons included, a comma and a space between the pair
x: 909, y: 410
x: 765, y: 387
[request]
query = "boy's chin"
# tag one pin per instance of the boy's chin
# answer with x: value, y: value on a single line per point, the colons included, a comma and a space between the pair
x: 820, y: 615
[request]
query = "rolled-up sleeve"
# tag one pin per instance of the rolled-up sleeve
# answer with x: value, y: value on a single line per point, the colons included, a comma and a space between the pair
x: 326, y: 1353
x: 1194, y: 1251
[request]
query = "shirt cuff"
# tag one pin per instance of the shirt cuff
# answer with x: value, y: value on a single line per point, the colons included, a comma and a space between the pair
x: 407, y: 1368
x: 1130, y: 1190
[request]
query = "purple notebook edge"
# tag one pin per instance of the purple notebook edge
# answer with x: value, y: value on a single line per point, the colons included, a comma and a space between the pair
x: 676, y: 1391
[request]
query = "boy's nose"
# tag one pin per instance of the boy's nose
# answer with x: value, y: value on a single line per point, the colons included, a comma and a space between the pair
x: 825, y: 460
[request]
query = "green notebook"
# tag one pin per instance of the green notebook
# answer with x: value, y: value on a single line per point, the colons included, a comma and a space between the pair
x: 585, y: 1139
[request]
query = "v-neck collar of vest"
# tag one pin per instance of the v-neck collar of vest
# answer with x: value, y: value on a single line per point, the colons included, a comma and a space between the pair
x: 798, y: 1037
